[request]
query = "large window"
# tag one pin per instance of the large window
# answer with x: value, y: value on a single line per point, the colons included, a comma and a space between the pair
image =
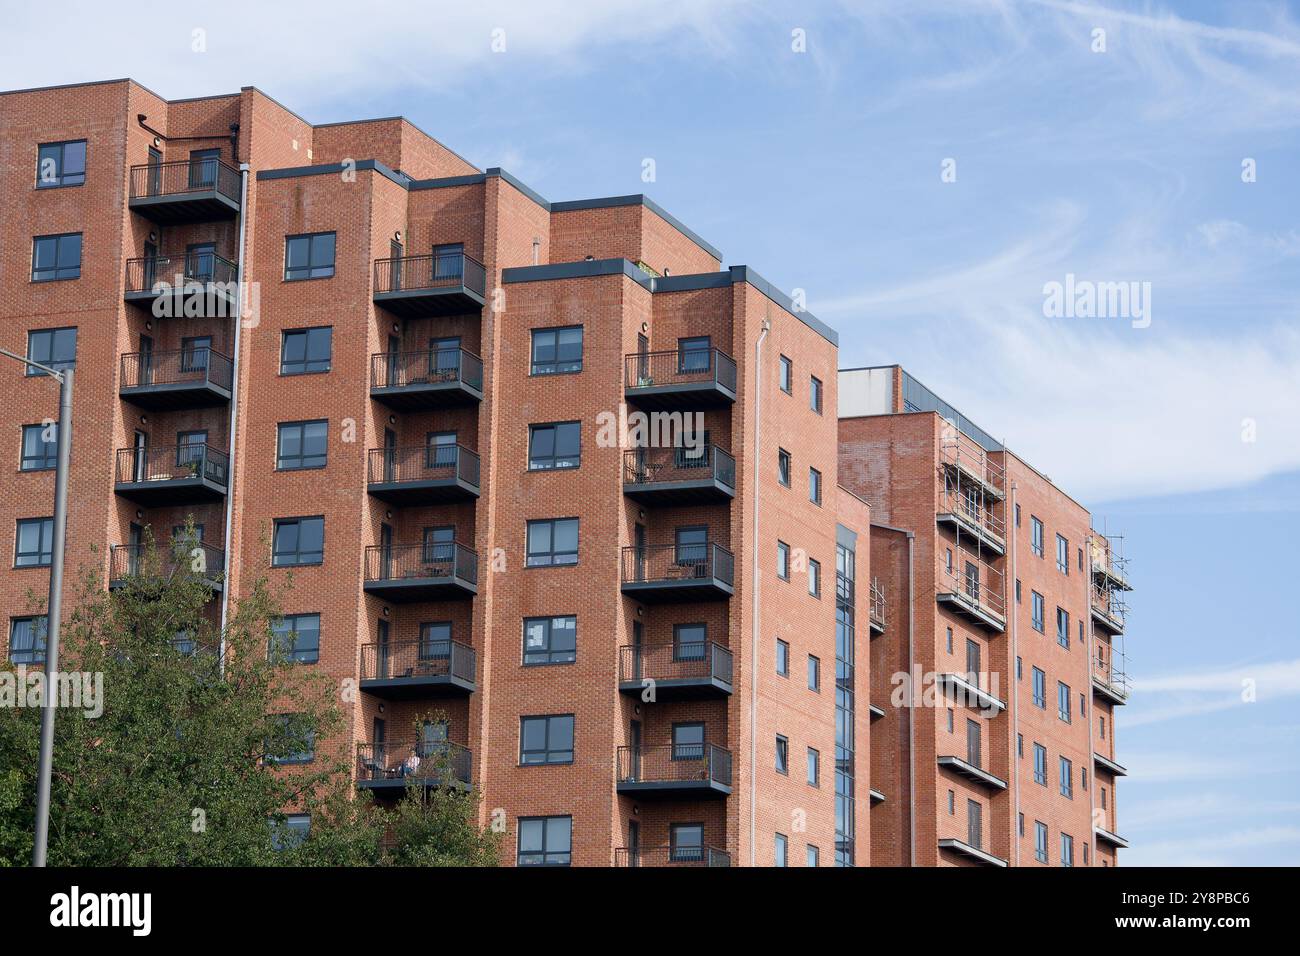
x: 546, y: 739
x: 1063, y: 701
x: 304, y: 351
x: 1067, y: 778
x: 1040, y: 688
x: 780, y: 850
x: 1040, y: 764
x: 551, y: 640
x: 1036, y: 535
x: 296, y: 638
x: 552, y: 542
x: 545, y: 841
x: 34, y: 543
x: 301, y: 445
x: 56, y: 257
x: 27, y: 639
x: 1037, y: 611
x: 61, y: 164
x: 298, y: 541
x: 557, y: 351
x: 555, y: 445
x: 1063, y: 627
x: 40, y: 447
x: 686, y: 842
x: 1040, y: 841
x: 53, y: 348
x: 309, y: 256
x: 1062, y: 555
x: 1067, y: 850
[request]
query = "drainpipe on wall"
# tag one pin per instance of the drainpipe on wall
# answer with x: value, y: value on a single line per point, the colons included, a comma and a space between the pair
x: 1013, y: 698
x: 911, y: 704
x: 234, y: 410
x: 754, y: 670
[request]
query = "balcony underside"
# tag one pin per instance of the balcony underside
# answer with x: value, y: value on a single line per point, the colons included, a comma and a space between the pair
x: 1114, y: 839
x: 192, y: 301
x: 1111, y: 625
x: 965, y: 849
x: 678, y: 688
x: 877, y: 627
x: 421, y: 396
x: 972, y: 772
x: 1106, y: 692
x: 164, y: 492
x: 875, y: 712
x: 423, y: 303
x: 968, y: 531
x: 435, y: 492
x: 395, y: 786
x: 674, y: 789
x: 1110, y: 766
x: 699, y: 492
x: 175, y: 396
x: 956, y: 601
x: 970, y: 694
x: 200, y: 205
x: 414, y: 686
x: 212, y: 584
x: 876, y: 797
x: 680, y: 395
x: 408, y: 590
x: 685, y: 589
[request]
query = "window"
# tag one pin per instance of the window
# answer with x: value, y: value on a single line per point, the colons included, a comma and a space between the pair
x: 686, y: 843
x: 1036, y: 536
x: 952, y: 803
x: 950, y: 717
x: 1020, y: 745
x: 1020, y: 668
x: 815, y: 394
x: 814, y: 578
x: 34, y: 543
x: 203, y: 168
x: 298, y: 541
x: 974, y: 824
x: 301, y: 445
x: 551, y: 640
x: 694, y: 354
x: 1040, y: 841
x: 61, y: 164
x: 552, y: 542
x: 779, y: 850
x: 290, y: 834
x: 306, y: 351
x: 435, y: 641
x: 1101, y: 725
x: 814, y: 673
x: 783, y: 561
x: 296, y: 637
x: 814, y: 855
x: 1083, y: 778
x: 1040, y: 688
x: 553, y: 446
x: 438, y: 544
x: 1037, y: 609
x: 1067, y: 778
x: 787, y: 375
x: 1062, y: 555
x: 948, y: 633
x: 53, y: 348
x: 1018, y: 525
x: 782, y: 755
x: 449, y: 260
x: 690, y: 642
x: 546, y: 739
x: 1017, y: 590
x: 1020, y: 824
x: 557, y: 351
x: 783, y: 467
x: 40, y: 447
x: 1063, y: 627
x: 1040, y: 764
x: 1067, y: 850
x: 56, y: 257
x: 545, y: 841
x: 27, y: 639
x: 814, y: 486
x: 814, y: 768
x: 782, y: 658
x: 972, y: 661
x: 688, y: 741
x: 1063, y: 701
x: 309, y: 257
x: 1080, y: 559
x: 293, y: 740
x: 1085, y: 854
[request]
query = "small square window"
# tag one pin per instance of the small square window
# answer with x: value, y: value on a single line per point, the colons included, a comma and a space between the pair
x: 557, y: 351
x: 554, y: 446
x: 551, y: 640
x: 40, y: 447
x: 545, y: 841
x: 56, y: 257
x: 546, y: 739
x: 296, y: 638
x: 552, y: 542
x: 306, y: 351
x: 309, y: 256
x: 61, y: 164
x: 34, y: 543
x: 298, y: 541
x: 301, y: 446
x: 53, y: 348
x: 27, y: 639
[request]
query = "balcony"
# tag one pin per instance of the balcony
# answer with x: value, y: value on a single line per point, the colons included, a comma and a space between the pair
x: 876, y: 612
x: 972, y: 771
x: 197, y: 285
x: 1109, y: 677
x: 1105, y: 763
x: 416, y: 287
x: 171, y: 475
x: 973, y: 588
x: 673, y: 476
x: 973, y: 852
x: 1109, y: 609
x: 876, y: 796
x: 657, y: 574
x: 968, y: 459
x: 176, y: 380
x: 426, y: 379
x: 127, y: 561
x: 421, y: 572
x: 703, y: 378
x: 422, y: 474
x: 671, y: 856
x: 681, y: 671
x: 965, y: 691
x: 185, y: 192
x: 388, y: 765
x: 973, y: 522
x: 1106, y: 836
x: 687, y: 771
x: 404, y: 670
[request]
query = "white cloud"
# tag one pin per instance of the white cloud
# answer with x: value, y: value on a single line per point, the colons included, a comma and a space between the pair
x: 1224, y: 848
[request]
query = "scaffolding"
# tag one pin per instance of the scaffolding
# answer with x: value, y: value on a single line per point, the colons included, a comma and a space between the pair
x: 877, y: 607
x: 961, y: 453
x: 973, y: 585
x: 1110, y: 668
x: 1110, y: 581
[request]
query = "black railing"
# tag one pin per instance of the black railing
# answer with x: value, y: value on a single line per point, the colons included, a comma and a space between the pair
x: 679, y: 661
x: 403, y: 562
x: 422, y: 463
x: 626, y: 856
x: 431, y: 762
x: 678, y: 562
x: 186, y: 176
x: 645, y: 466
x: 171, y: 463
x: 416, y: 273
x: 680, y: 367
x: 418, y: 659
x: 675, y: 763
x: 132, y: 560
x: 177, y: 367
x: 426, y: 367
x: 168, y: 273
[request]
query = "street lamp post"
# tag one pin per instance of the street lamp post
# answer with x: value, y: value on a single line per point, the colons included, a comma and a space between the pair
x: 54, y: 605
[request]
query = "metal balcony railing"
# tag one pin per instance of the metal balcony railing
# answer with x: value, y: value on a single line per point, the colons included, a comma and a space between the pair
x: 1110, y: 669
x: 199, y: 366
x: 429, y: 762
x: 675, y: 763
x: 680, y: 367
x: 704, y: 660
x: 416, y: 561
x: 678, y: 562
x: 422, y: 463
x: 186, y: 269
x: 671, y: 856
x: 973, y: 582
x: 185, y: 176
x: 417, y: 660
x: 1109, y: 602
x: 171, y: 463
x: 132, y: 560
x: 426, y: 367
x: 648, y: 466
x: 877, y: 608
x: 438, y: 271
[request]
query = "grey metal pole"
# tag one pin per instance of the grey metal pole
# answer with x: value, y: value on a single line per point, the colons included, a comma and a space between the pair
x: 54, y: 610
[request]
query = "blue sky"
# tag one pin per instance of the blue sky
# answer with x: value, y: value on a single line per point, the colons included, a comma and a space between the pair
x: 821, y: 169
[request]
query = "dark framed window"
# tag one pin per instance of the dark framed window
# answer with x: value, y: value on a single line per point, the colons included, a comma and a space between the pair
x: 783, y: 466
x: 783, y: 561
x: 40, y: 447
x: 439, y: 544
x: 34, y: 543
x: 814, y: 673
x: 1063, y: 701
x: 306, y: 351
x: 782, y: 658
x: 974, y: 824
x: 780, y: 850
x: 1040, y: 688
x: 61, y: 164
x: 554, y: 446
x: 550, y: 640
x: 782, y: 755
x: 545, y: 841
x: 815, y: 394
x: 301, y: 445
x: 1067, y: 850
x: 547, y: 739
x: 1040, y: 764
x: 814, y: 856
x: 1040, y: 841
x: 435, y: 641
x: 191, y: 448
x: 309, y: 256
x: 551, y: 542
x: 814, y: 577
x: 290, y: 834
x: 53, y: 348
x: 448, y: 260
x: 690, y: 642
x: 296, y: 638
x: 814, y: 768
x: 1062, y: 554
x: 688, y: 740
x: 293, y: 740
x: 557, y: 351
x: 203, y: 168
x: 1063, y: 627
x: 298, y: 541
x: 1036, y: 536
x: 814, y: 486
x: 690, y: 548
x: 56, y: 257
x: 694, y: 355
x: 787, y: 376
x: 1067, y: 778
x: 27, y: 639
x: 1037, y: 610
x: 686, y: 842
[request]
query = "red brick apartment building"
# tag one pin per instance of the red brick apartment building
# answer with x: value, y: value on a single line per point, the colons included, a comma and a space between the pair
x: 430, y: 415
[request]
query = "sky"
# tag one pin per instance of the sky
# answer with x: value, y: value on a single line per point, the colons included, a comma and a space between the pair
x: 923, y: 171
